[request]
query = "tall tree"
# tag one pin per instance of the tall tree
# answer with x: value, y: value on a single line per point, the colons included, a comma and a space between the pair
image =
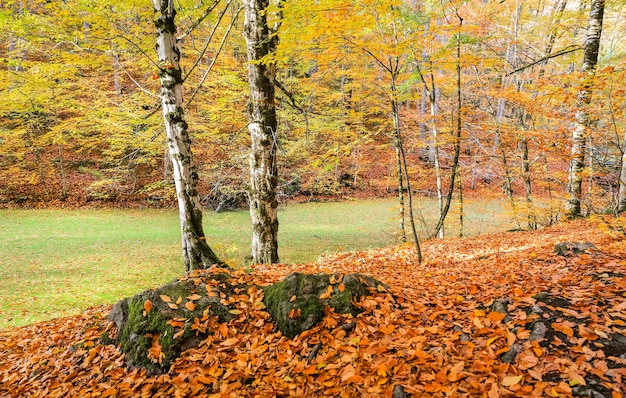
x: 196, y: 252
x: 621, y: 207
x: 261, y: 41
x: 583, y: 119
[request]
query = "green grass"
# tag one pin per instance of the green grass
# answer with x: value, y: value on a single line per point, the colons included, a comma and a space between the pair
x: 59, y: 262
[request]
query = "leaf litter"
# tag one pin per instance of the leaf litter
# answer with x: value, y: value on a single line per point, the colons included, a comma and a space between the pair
x: 494, y: 316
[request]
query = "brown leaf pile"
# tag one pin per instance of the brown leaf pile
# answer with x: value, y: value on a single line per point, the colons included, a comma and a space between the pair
x: 433, y: 332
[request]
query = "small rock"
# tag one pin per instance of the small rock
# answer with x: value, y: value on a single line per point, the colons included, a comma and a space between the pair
x: 509, y: 356
x: 539, y: 331
x: 398, y: 392
x: 536, y: 309
x: 565, y: 248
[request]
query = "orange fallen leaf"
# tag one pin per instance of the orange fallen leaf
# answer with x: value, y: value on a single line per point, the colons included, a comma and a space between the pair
x: 166, y: 298
x: 190, y: 305
x: 203, y: 379
x: 563, y: 328
x: 294, y: 313
x: 230, y: 342
x: 147, y: 307
x: 327, y: 294
x: 223, y: 329
x: 511, y: 380
x: 496, y: 316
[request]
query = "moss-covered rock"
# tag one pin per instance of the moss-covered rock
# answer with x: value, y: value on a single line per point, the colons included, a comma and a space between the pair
x: 155, y: 326
x: 298, y: 302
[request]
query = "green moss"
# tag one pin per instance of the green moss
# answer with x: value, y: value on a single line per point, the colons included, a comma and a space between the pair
x: 136, y: 329
x: 307, y: 290
x: 134, y: 342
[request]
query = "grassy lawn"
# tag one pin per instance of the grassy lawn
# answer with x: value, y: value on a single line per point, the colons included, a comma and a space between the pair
x: 58, y: 262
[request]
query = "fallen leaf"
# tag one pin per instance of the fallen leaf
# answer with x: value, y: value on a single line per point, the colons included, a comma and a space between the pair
x: 511, y: 380
x: 147, y: 307
x: 166, y: 298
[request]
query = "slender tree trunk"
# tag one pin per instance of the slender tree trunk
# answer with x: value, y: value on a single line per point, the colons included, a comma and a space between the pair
x: 196, y: 252
x: 397, y: 147
x: 621, y: 206
x: 63, y: 175
x: 583, y: 119
x: 508, y: 187
x: 403, y: 167
x: 457, y: 135
x: 461, y: 215
x: 532, y: 220
x: 435, y: 146
x: 263, y: 128
x: 117, y: 86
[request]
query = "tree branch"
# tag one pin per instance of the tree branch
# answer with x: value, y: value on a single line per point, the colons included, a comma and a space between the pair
x: 368, y: 52
x: 208, y: 41
x: 567, y: 50
x: 139, y: 86
x: 199, y: 21
x: 195, y: 91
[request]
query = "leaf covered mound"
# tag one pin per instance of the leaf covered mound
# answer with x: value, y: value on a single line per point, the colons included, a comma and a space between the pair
x: 498, y: 315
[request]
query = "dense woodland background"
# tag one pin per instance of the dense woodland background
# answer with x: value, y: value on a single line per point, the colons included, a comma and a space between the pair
x: 80, y: 119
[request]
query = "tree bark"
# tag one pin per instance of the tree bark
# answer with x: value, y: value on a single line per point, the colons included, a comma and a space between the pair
x: 262, y: 127
x: 457, y: 135
x: 435, y: 146
x: 196, y: 252
x: 403, y: 166
x: 400, y: 189
x: 532, y: 219
x: 621, y: 207
x: 583, y: 119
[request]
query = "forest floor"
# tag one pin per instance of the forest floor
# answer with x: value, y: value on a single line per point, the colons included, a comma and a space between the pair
x: 491, y: 315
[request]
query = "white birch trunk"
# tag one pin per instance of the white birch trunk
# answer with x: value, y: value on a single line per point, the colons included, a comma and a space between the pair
x: 196, y: 252
x: 583, y: 119
x: 262, y: 127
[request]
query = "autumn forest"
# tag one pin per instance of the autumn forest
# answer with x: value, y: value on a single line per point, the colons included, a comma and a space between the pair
x: 219, y: 105
x: 81, y: 119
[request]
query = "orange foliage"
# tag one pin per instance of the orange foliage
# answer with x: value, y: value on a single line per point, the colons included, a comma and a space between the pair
x: 432, y: 332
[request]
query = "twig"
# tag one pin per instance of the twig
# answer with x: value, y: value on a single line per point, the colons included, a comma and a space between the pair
x: 314, y: 352
x: 199, y: 21
x: 208, y: 41
x: 566, y: 50
x: 195, y: 91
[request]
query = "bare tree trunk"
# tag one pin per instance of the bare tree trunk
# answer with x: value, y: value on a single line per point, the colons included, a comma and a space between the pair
x: 196, y: 252
x: 397, y: 147
x: 262, y: 125
x: 457, y: 137
x: 621, y: 207
x: 403, y: 167
x: 508, y: 188
x: 435, y: 146
x: 460, y: 182
x: 532, y: 220
x: 583, y: 119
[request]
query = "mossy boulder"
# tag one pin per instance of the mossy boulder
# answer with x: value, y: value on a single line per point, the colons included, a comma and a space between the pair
x: 155, y: 326
x: 298, y: 302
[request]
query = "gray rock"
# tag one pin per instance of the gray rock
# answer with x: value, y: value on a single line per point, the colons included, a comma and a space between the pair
x: 539, y: 331
x: 566, y: 248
